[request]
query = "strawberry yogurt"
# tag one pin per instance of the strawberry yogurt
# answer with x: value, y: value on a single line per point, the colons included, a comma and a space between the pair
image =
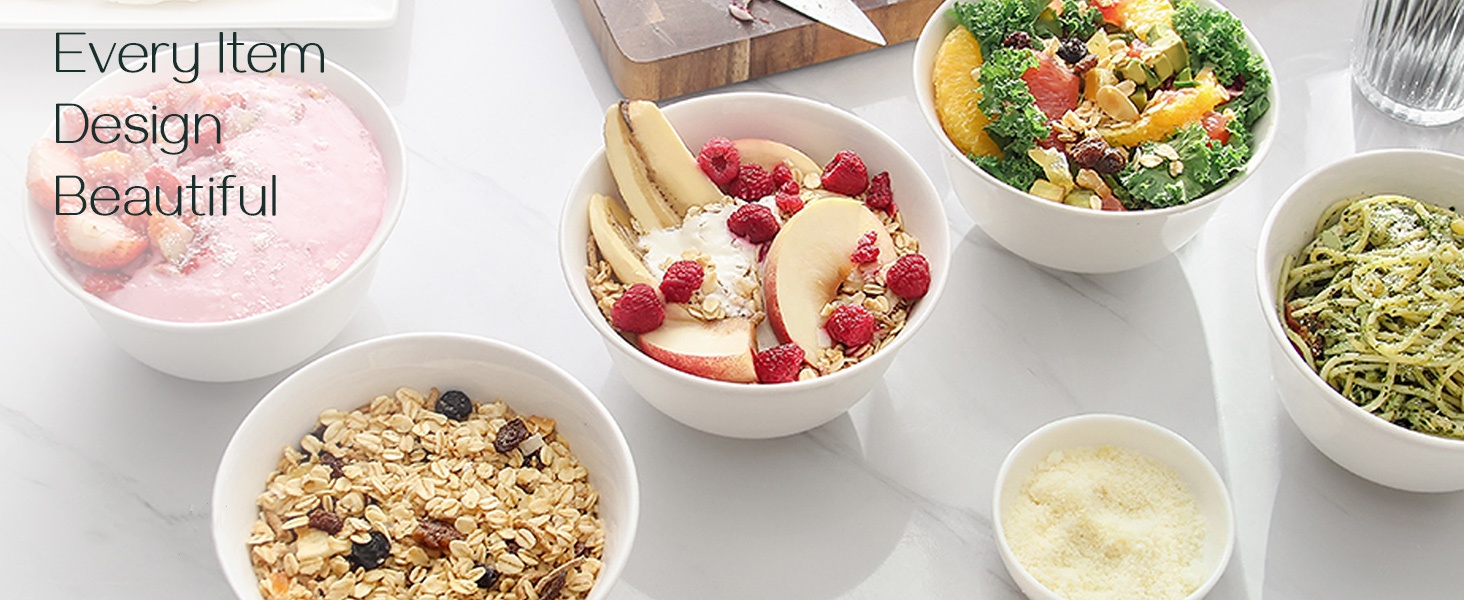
x: 271, y: 206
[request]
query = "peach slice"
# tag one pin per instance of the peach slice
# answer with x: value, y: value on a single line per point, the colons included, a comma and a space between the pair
x: 768, y: 153
x: 719, y: 349
x: 810, y: 259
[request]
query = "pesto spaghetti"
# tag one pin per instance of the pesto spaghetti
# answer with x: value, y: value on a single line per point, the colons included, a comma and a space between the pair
x: 1375, y: 303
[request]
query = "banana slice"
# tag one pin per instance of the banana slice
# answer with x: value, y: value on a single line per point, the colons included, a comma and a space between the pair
x: 611, y: 227
x: 658, y: 176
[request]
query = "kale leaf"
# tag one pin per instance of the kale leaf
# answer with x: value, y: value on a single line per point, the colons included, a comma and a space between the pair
x: 1079, y: 19
x: 991, y: 21
x: 1216, y: 37
x: 1207, y: 165
x: 1016, y: 170
x: 1016, y: 124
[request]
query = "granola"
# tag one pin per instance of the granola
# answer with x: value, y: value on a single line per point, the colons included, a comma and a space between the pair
x: 397, y: 500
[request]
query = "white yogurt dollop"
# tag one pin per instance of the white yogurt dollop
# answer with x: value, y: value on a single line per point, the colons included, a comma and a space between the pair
x: 707, y: 233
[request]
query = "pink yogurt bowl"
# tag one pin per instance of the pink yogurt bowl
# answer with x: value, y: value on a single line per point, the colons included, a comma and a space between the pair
x: 260, y: 344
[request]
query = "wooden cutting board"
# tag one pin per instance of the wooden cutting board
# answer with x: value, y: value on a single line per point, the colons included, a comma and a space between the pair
x: 665, y: 48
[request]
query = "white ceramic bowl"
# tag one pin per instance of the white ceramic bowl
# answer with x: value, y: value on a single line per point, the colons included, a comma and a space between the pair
x: 755, y: 410
x: 1360, y: 442
x: 1054, y: 234
x: 483, y: 369
x: 261, y: 344
x: 1141, y: 436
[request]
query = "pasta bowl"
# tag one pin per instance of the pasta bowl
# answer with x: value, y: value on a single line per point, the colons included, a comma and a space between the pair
x: 1359, y: 441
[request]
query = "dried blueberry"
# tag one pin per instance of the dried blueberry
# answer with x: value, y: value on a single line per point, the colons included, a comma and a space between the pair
x: 373, y: 553
x: 489, y: 578
x: 510, y: 436
x: 454, y: 405
x: 1072, y: 50
x: 1018, y: 39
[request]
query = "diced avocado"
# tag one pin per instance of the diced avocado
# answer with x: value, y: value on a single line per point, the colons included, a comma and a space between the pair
x: 1083, y: 199
x: 1133, y: 70
x: 1140, y: 99
x: 1170, y: 55
x: 1151, y: 79
x: 1043, y: 188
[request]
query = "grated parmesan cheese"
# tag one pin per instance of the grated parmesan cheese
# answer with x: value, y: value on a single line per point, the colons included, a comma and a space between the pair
x: 1109, y: 523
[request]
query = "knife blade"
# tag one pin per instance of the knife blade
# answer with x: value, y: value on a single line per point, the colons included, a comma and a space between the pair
x: 842, y: 15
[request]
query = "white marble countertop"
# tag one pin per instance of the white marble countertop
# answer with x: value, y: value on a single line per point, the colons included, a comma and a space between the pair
x: 106, y: 466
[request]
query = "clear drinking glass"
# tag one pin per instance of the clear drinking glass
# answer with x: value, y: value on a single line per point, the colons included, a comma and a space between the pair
x: 1408, y: 59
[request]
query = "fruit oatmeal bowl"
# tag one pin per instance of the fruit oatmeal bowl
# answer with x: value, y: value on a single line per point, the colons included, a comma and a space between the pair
x: 221, y: 229
x: 752, y: 261
x: 1094, y: 135
x: 426, y: 465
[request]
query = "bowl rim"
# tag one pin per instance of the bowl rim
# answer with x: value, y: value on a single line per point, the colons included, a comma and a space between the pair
x: 1267, y: 288
x: 255, y: 419
x: 940, y: 24
x: 1189, y: 453
x: 574, y: 275
x: 396, y: 197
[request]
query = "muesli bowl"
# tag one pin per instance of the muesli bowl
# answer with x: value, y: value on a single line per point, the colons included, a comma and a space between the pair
x: 264, y: 343
x: 1054, y: 234
x: 485, y: 371
x: 748, y: 410
x: 1359, y: 441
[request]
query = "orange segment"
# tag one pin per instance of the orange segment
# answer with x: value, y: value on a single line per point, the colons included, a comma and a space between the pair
x: 1169, y: 110
x: 956, y: 94
x: 1140, y: 16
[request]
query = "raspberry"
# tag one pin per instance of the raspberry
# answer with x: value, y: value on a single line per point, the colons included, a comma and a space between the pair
x: 782, y: 174
x: 850, y: 325
x: 718, y: 159
x: 867, y: 251
x: 753, y: 222
x: 788, y: 199
x: 779, y: 364
x: 879, y: 196
x: 638, y: 310
x: 682, y: 278
x: 909, y: 277
x: 752, y: 184
x: 846, y: 174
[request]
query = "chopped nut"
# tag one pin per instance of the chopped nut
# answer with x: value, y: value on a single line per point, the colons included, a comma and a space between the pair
x: 1116, y: 104
x: 1176, y: 168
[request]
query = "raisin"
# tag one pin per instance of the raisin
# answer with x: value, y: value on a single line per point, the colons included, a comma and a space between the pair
x: 335, y: 464
x: 489, y: 578
x: 1085, y: 65
x: 319, y: 432
x: 325, y: 520
x: 371, y: 554
x: 511, y: 545
x: 436, y: 534
x: 510, y: 436
x: 454, y: 405
x: 1072, y: 50
x: 1094, y: 153
x: 549, y: 588
x: 580, y: 549
x: 1018, y: 39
